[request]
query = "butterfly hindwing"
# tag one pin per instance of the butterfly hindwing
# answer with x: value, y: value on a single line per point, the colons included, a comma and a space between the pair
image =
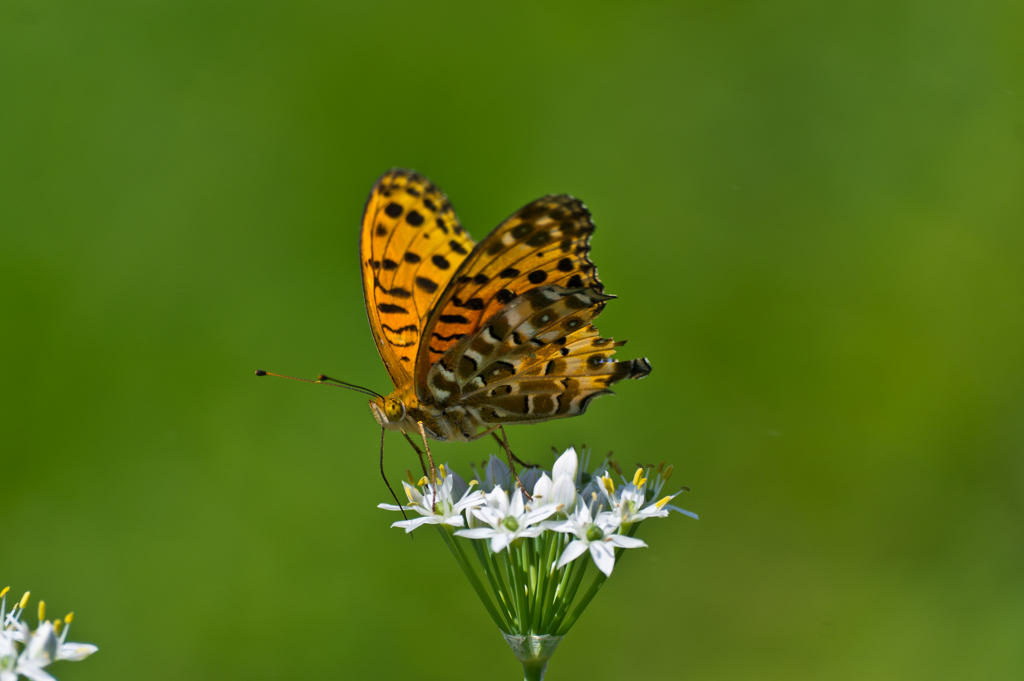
x: 410, y: 245
x: 545, y: 243
x: 539, y: 358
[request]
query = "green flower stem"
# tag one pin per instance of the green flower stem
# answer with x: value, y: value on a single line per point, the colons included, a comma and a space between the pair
x: 520, y: 587
x: 515, y: 590
x: 460, y: 557
x: 541, y: 575
x: 594, y: 588
x: 493, y: 576
x: 570, y: 593
x: 534, y: 671
x: 558, y: 597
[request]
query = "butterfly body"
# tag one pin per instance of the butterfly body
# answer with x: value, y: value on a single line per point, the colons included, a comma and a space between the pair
x: 476, y: 336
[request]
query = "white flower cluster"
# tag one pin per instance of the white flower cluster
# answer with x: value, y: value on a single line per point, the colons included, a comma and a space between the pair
x: 598, y: 514
x: 24, y: 652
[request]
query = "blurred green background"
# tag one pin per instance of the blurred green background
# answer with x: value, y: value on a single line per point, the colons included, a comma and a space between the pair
x: 812, y: 214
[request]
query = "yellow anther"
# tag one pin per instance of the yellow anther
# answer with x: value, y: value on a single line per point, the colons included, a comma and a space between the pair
x: 593, y: 495
x: 68, y: 617
x: 422, y: 481
x: 638, y: 476
x: 42, y: 610
x: 24, y: 600
x: 57, y: 626
x: 4, y: 592
x: 474, y: 482
x: 661, y: 504
x: 609, y: 484
x: 408, y: 476
x: 443, y: 474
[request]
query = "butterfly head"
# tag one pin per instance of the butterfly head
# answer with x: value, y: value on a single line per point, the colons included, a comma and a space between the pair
x: 388, y: 411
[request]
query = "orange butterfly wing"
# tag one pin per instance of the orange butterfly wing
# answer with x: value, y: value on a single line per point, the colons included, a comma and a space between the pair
x: 410, y: 244
x: 545, y: 243
x: 511, y: 339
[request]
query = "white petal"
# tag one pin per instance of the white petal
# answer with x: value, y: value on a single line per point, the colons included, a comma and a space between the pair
x: 561, y: 526
x: 625, y: 542
x: 500, y: 540
x: 497, y: 499
x: 604, y: 557
x: 33, y: 672
x: 530, y: 532
x: 477, y: 533
x: 75, y: 651
x: 410, y: 525
x: 574, y: 550
x: 488, y: 515
x: 517, y: 507
x: 454, y: 520
x: 563, y: 492
x: 542, y: 488
x: 392, y: 507
x: 538, y: 515
x: 566, y: 465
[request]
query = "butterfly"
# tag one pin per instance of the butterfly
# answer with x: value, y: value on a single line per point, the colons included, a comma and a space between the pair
x: 476, y: 336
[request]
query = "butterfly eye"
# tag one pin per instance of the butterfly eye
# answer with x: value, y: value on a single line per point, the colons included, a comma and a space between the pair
x: 394, y: 409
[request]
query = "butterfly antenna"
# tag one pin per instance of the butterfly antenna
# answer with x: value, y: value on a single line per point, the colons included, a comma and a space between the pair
x: 323, y: 380
x: 393, y: 495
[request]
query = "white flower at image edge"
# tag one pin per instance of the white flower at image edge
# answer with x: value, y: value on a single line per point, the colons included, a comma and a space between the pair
x: 597, y: 536
x: 435, y: 508
x: 44, y: 646
x: 507, y: 520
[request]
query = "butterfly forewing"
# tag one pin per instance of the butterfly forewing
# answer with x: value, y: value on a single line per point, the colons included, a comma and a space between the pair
x: 411, y: 243
x: 545, y: 243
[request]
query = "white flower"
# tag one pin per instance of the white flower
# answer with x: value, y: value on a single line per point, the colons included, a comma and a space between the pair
x: 627, y: 502
x: 506, y: 521
x: 44, y: 646
x: 435, y: 504
x: 595, y: 535
x: 560, y: 488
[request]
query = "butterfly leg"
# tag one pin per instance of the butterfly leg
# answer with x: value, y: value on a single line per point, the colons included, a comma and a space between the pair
x: 393, y: 496
x: 433, y: 471
x: 418, y: 453
x: 504, y: 445
x: 511, y: 466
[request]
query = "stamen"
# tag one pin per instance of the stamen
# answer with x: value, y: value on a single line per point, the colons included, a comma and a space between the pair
x: 474, y: 481
x: 667, y: 473
x: 57, y: 626
x: 638, y: 476
x: 42, y: 610
x: 408, y: 476
x: 443, y: 473
x: 24, y: 599
x: 4, y: 592
x: 422, y: 481
x: 661, y: 504
x: 68, y: 617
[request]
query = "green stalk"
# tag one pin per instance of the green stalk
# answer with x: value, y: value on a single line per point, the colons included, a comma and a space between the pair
x: 542, y: 573
x: 558, y: 598
x: 551, y: 582
x: 514, y: 590
x: 460, y: 558
x: 570, y: 594
x: 594, y: 588
x: 480, y: 546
